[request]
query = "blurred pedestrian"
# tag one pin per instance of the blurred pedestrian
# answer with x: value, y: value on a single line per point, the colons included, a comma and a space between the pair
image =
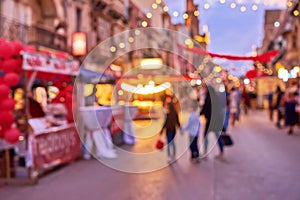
x: 234, y: 104
x: 270, y: 104
x: 211, y: 108
x: 227, y: 112
x: 246, y: 101
x: 278, y: 106
x: 291, y: 116
x: 170, y: 125
x: 238, y: 113
x: 193, y: 128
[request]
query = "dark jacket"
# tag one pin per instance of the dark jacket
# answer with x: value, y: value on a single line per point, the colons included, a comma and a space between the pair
x: 171, y: 122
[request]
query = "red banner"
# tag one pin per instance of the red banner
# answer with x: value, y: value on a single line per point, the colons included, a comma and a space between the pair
x: 41, y: 63
x: 55, y: 147
x: 265, y: 57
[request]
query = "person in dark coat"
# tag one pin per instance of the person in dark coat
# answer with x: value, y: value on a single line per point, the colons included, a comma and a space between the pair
x: 278, y: 106
x: 291, y: 116
x: 213, y: 113
x: 170, y: 125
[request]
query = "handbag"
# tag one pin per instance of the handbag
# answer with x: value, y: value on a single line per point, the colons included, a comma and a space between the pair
x: 159, y: 144
x: 226, y: 139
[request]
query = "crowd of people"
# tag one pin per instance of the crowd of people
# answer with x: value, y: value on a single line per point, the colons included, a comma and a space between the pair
x: 286, y: 104
x: 223, y: 109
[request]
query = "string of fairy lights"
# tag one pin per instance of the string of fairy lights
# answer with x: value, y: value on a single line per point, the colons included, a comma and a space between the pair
x: 242, y: 5
x: 237, y: 4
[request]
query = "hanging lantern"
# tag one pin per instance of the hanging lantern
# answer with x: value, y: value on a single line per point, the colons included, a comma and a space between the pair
x: 4, y: 91
x: 7, y: 104
x: 251, y: 74
x: 11, y: 79
x: 12, y: 135
x: 7, y: 119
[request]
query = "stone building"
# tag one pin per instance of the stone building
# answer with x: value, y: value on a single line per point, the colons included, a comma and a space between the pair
x: 282, y: 33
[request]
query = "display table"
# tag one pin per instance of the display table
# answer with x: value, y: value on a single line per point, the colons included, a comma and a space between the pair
x: 54, y: 146
x: 96, y: 120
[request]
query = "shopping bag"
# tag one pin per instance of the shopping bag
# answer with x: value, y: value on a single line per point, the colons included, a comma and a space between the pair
x: 159, y: 144
x: 226, y: 139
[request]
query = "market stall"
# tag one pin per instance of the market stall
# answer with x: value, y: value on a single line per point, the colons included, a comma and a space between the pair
x: 42, y: 133
x: 54, y: 139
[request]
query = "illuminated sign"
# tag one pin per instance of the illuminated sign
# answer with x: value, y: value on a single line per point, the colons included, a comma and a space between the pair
x: 79, y: 44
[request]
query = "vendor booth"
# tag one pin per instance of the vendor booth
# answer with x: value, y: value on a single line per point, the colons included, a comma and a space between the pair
x: 43, y: 115
x: 104, y: 122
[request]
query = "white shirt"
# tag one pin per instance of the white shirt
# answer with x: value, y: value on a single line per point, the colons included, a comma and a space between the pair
x: 193, y: 125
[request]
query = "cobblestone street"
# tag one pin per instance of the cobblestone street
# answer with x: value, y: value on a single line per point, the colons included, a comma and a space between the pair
x: 263, y: 164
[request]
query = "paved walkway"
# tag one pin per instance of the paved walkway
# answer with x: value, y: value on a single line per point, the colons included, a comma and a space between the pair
x: 263, y: 164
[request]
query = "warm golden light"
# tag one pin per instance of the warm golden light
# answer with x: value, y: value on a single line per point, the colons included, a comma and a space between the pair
x: 175, y: 13
x: 144, y: 24
x: 296, y: 13
x: 189, y: 43
x: 254, y: 7
x: 151, y: 63
x: 113, y: 49
x: 222, y: 1
x: 233, y: 5
x: 154, y: 5
x: 243, y: 9
x: 185, y: 16
x: 206, y: 6
x: 149, y: 15
x: 166, y: 9
x: 289, y: 3
x: 122, y: 45
x: 150, y: 88
x: 137, y: 32
x: 130, y: 39
x: 158, y: 1
x: 196, y: 13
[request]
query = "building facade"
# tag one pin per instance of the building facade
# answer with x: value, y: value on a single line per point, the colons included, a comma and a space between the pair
x: 282, y: 33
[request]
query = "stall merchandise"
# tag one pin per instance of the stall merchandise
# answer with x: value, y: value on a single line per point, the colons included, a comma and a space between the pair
x: 48, y: 138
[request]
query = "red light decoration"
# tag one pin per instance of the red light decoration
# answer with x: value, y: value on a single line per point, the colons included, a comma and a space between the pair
x: 79, y: 44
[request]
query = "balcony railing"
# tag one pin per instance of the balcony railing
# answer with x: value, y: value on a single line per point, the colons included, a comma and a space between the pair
x: 13, y: 30
x: 36, y: 35
x: 44, y: 37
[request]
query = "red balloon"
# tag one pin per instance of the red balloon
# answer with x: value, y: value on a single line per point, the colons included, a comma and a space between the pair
x: 17, y: 47
x: 7, y: 104
x: 6, y: 50
x: 2, y: 131
x: 10, y: 65
x: 2, y: 40
x: 4, y: 91
x: 12, y: 135
x: 11, y: 79
x: 6, y: 119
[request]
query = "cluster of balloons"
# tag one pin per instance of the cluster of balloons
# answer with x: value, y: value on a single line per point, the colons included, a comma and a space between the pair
x: 10, y: 72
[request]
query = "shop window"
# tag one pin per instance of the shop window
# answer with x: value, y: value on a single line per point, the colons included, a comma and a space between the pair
x: 78, y: 19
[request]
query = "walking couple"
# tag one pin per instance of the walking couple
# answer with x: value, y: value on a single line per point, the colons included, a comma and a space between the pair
x: 193, y: 126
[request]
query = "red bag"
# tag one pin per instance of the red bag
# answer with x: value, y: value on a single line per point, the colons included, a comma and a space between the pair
x: 159, y: 144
